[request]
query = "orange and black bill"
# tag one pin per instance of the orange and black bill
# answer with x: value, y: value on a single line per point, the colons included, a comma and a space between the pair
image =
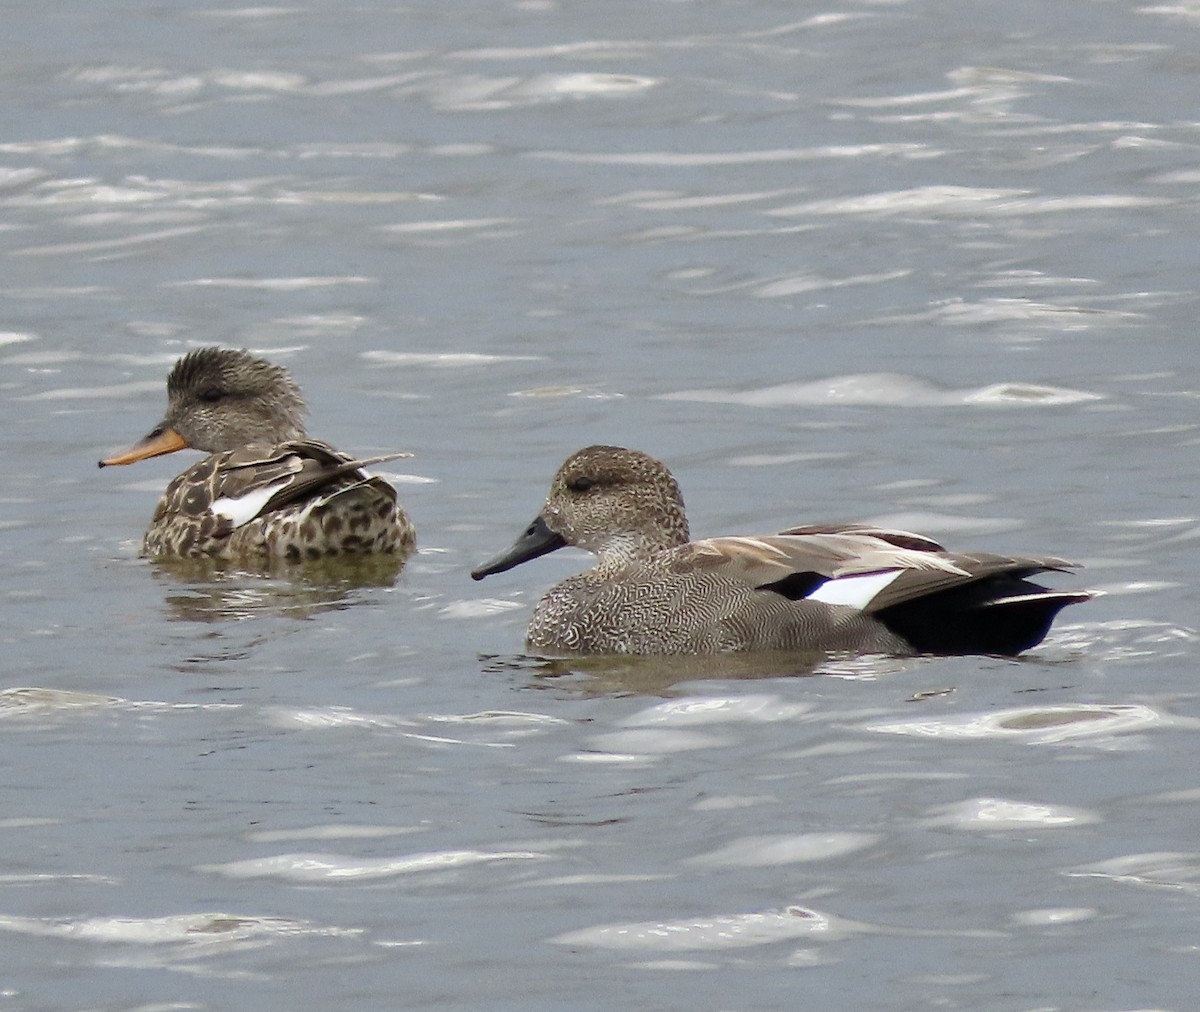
x: 162, y: 439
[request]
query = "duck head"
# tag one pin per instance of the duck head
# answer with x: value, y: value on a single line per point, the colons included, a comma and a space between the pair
x: 219, y: 399
x: 621, y: 505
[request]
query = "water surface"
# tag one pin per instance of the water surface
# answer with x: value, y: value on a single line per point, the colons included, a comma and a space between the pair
x: 917, y: 263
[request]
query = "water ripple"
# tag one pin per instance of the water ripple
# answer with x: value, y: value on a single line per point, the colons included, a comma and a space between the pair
x: 1052, y: 916
x: 1001, y: 813
x: 959, y: 312
x: 489, y: 226
x: 781, y: 848
x: 673, y: 200
x: 201, y: 929
x: 1035, y: 724
x: 311, y: 868
x: 340, y: 831
x: 109, y: 245
x: 658, y: 742
x: 36, y: 702
x: 1159, y: 869
x: 500, y: 724
x: 441, y: 359
x: 98, y: 392
x: 478, y: 92
x: 890, y: 389
x: 787, y: 285
x: 948, y: 201
x: 722, y: 931
x: 480, y: 607
x: 704, y: 710
x: 694, y: 159
x: 1127, y: 639
x: 274, y: 284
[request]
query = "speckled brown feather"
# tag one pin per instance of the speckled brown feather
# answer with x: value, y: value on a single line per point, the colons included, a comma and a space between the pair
x: 327, y: 507
x: 293, y: 497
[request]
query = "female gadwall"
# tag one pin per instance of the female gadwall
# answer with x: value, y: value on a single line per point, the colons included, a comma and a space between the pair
x: 838, y: 587
x: 265, y: 490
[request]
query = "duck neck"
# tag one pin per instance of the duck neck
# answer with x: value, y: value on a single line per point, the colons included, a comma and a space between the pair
x: 626, y: 548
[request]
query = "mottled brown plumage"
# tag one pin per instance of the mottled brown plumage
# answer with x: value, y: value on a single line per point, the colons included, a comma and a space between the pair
x: 265, y: 490
x: 830, y: 587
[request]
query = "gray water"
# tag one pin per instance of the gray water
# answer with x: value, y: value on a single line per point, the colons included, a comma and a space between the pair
x: 928, y: 264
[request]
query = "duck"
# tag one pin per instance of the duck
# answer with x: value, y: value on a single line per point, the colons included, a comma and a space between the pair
x: 829, y: 588
x: 265, y: 490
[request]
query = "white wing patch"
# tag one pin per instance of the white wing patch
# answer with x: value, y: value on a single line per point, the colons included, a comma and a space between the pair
x: 854, y: 591
x: 242, y: 509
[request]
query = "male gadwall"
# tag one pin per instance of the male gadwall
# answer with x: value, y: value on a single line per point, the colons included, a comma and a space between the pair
x: 265, y: 490
x: 837, y: 587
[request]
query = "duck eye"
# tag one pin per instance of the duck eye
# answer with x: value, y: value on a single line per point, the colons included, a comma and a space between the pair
x: 581, y: 484
x: 212, y: 395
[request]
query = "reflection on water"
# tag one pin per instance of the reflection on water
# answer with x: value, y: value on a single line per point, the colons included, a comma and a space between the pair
x: 209, y: 590
x: 657, y: 676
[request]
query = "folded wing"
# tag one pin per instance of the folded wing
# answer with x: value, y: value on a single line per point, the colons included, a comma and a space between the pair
x: 252, y: 482
x: 939, y: 601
